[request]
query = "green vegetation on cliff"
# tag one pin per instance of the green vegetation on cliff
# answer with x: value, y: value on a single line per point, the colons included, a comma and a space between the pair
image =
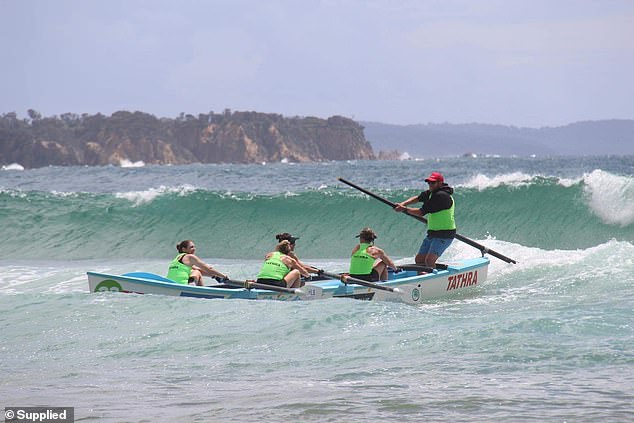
x: 230, y: 137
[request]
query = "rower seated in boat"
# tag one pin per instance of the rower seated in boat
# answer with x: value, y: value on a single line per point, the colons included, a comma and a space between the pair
x: 187, y: 268
x: 292, y: 239
x: 369, y: 262
x: 280, y: 269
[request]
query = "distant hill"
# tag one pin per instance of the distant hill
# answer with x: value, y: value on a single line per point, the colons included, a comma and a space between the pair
x: 229, y: 137
x: 581, y: 138
x: 252, y: 137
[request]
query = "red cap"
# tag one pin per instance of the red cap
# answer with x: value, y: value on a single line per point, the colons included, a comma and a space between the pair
x: 435, y: 177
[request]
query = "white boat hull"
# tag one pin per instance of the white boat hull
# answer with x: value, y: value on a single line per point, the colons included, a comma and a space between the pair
x: 461, y: 277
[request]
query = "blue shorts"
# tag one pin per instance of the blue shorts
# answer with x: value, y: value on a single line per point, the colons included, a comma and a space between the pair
x: 435, y: 246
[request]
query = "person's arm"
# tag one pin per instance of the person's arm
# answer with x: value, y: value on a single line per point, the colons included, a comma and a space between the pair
x: 413, y: 211
x: 308, y: 267
x: 194, y: 262
x: 437, y: 202
x: 403, y: 204
x: 294, y: 264
x: 311, y: 269
x: 377, y: 252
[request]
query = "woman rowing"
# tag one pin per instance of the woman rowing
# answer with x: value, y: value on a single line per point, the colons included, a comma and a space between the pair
x: 280, y: 269
x: 369, y: 262
x: 290, y: 238
x: 187, y: 268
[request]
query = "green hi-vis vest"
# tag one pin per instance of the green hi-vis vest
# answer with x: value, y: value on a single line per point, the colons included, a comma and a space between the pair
x: 274, y: 268
x: 179, y: 272
x: 361, y: 262
x: 442, y: 220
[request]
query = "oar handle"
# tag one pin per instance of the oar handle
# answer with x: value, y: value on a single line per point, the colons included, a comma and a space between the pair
x: 251, y: 285
x: 349, y: 279
x: 482, y: 248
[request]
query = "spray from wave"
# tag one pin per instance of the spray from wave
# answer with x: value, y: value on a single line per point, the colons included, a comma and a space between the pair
x: 610, y: 197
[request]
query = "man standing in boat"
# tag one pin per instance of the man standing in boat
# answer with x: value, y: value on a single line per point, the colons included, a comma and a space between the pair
x: 369, y: 262
x: 439, y: 204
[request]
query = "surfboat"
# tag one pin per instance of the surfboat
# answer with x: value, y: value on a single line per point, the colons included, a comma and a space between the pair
x: 408, y: 286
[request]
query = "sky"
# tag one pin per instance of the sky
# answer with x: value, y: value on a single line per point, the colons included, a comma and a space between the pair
x: 526, y: 63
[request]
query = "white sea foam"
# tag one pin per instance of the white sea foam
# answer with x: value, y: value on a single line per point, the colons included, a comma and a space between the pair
x: 610, y: 197
x: 13, y: 166
x: 64, y: 194
x: 142, y: 197
x: 515, y: 179
x: 240, y: 196
x: 15, y: 193
x: 482, y: 182
x: 568, y: 182
x: 128, y: 163
x: 616, y: 255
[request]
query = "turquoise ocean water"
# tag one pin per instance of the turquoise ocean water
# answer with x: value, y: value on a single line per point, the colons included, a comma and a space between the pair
x: 547, y: 339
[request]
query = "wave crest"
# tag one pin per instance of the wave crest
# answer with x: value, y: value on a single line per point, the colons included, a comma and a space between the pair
x: 147, y: 196
x: 610, y: 197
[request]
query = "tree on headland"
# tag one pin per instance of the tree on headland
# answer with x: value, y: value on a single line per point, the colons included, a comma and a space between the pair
x: 34, y: 115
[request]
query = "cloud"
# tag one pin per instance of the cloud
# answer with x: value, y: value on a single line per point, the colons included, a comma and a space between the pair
x: 527, y: 62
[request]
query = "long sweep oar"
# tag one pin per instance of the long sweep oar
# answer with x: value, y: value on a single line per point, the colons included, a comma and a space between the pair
x: 251, y: 285
x: 464, y: 239
x: 349, y: 279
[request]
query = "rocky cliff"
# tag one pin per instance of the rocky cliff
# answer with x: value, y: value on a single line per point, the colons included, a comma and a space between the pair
x: 238, y: 137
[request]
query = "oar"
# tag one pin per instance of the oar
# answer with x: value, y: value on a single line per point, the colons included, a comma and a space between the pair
x: 349, y: 279
x: 464, y: 239
x: 251, y: 285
